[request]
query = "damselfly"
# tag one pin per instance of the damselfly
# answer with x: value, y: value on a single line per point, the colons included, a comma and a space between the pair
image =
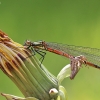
x: 84, y: 55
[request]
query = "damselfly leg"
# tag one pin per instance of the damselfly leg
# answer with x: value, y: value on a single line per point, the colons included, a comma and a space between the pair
x: 42, y: 54
x: 38, y: 51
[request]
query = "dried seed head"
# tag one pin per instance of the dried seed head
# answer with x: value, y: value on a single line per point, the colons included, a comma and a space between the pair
x: 17, y: 62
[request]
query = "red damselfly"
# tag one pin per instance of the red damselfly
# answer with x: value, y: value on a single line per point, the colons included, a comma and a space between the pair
x: 77, y: 54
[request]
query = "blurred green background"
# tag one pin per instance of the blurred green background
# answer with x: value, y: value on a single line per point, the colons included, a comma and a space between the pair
x: 74, y: 22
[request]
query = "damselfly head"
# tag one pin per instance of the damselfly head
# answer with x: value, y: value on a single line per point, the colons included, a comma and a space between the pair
x: 34, y: 44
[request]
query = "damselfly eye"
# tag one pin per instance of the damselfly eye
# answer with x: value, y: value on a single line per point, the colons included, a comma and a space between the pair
x: 27, y: 43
